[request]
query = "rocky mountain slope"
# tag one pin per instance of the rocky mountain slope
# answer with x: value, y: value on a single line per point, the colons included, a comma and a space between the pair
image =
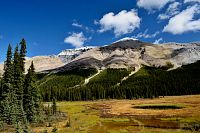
x: 43, y: 63
x: 125, y: 53
x: 101, y: 72
x: 132, y: 53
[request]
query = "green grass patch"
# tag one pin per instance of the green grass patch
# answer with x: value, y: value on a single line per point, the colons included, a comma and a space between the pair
x: 115, y: 120
x: 183, y: 120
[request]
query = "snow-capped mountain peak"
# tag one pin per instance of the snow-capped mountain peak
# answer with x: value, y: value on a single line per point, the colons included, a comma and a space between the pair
x: 75, y: 51
x: 126, y: 39
x: 69, y: 54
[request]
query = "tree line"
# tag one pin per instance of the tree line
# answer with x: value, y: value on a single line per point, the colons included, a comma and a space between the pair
x: 19, y: 96
x: 148, y: 82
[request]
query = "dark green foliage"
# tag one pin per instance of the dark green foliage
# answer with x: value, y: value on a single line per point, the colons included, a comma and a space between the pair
x: 100, y: 86
x: 8, y: 74
x: 67, y: 86
x: 31, y: 95
x: 149, y: 82
x: 20, y: 103
x: 10, y: 108
x: 152, y: 82
x: 17, y: 75
x: 58, y: 85
x: 22, y: 54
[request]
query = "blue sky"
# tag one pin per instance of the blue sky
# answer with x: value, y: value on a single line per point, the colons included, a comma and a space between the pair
x: 50, y: 26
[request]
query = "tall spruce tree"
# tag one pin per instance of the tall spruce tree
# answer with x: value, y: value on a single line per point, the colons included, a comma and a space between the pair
x: 17, y: 74
x: 8, y: 66
x: 8, y: 72
x: 22, y: 54
x: 31, y: 95
x: 6, y: 83
x: 18, y: 86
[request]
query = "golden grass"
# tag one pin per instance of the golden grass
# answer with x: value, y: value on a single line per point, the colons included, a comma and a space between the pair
x: 86, y: 116
x: 191, y: 103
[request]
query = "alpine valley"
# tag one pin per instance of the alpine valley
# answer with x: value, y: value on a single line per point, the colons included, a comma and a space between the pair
x: 128, y: 68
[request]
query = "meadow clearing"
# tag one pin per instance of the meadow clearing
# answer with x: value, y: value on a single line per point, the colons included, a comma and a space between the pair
x: 175, y: 114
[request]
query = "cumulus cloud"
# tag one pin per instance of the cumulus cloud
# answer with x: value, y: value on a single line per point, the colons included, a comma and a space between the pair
x: 184, y: 21
x: 158, y: 41
x: 186, y: 1
x: 122, y: 23
x: 152, y: 4
x: 146, y: 34
x: 172, y: 10
x: 76, y: 39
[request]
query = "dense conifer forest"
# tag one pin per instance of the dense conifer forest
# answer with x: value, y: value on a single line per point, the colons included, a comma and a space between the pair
x: 148, y: 82
x: 59, y: 84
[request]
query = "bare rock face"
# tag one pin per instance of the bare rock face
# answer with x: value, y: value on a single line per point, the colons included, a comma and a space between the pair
x: 128, y: 53
x: 41, y: 63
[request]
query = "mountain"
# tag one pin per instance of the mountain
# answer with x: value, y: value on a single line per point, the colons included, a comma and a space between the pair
x: 133, y: 53
x: 124, y: 53
x: 125, y: 69
x: 69, y: 54
x: 43, y: 63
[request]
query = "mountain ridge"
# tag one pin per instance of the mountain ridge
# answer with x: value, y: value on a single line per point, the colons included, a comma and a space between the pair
x: 124, y: 53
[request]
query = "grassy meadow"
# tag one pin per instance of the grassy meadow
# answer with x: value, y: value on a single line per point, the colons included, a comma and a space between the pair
x: 122, y: 116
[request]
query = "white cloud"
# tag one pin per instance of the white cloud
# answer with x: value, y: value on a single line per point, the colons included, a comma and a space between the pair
x: 87, y: 29
x: 191, y: 1
x: 122, y: 23
x: 76, y: 39
x: 152, y: 4
x: 75, y: 24
x: 184, y: 22
x: 146, y: 34
x: 172, y: 10
x: 158, y: 41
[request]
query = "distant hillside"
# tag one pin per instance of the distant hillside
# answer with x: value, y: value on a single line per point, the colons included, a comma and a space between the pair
x: 148, y: 82
x: 43, y: 63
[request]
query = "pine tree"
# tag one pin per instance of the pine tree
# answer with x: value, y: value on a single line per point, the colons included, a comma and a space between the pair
x: 8, y: 73
x: 17, y: 75
x: 18, y: 86
x: 22, y: 54
x: 6, y: 83
x: 31, y: 95
x: 11, y: 110
x: 8, y: 66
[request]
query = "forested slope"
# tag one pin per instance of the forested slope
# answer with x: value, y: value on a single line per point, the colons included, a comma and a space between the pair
x: 57, y: 84
x: 148, y: 82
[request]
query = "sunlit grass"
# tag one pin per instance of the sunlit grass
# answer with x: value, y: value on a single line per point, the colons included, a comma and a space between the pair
x: 85, y: 116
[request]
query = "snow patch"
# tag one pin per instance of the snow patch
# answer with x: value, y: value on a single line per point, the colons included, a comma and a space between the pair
x: 126, y: 39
